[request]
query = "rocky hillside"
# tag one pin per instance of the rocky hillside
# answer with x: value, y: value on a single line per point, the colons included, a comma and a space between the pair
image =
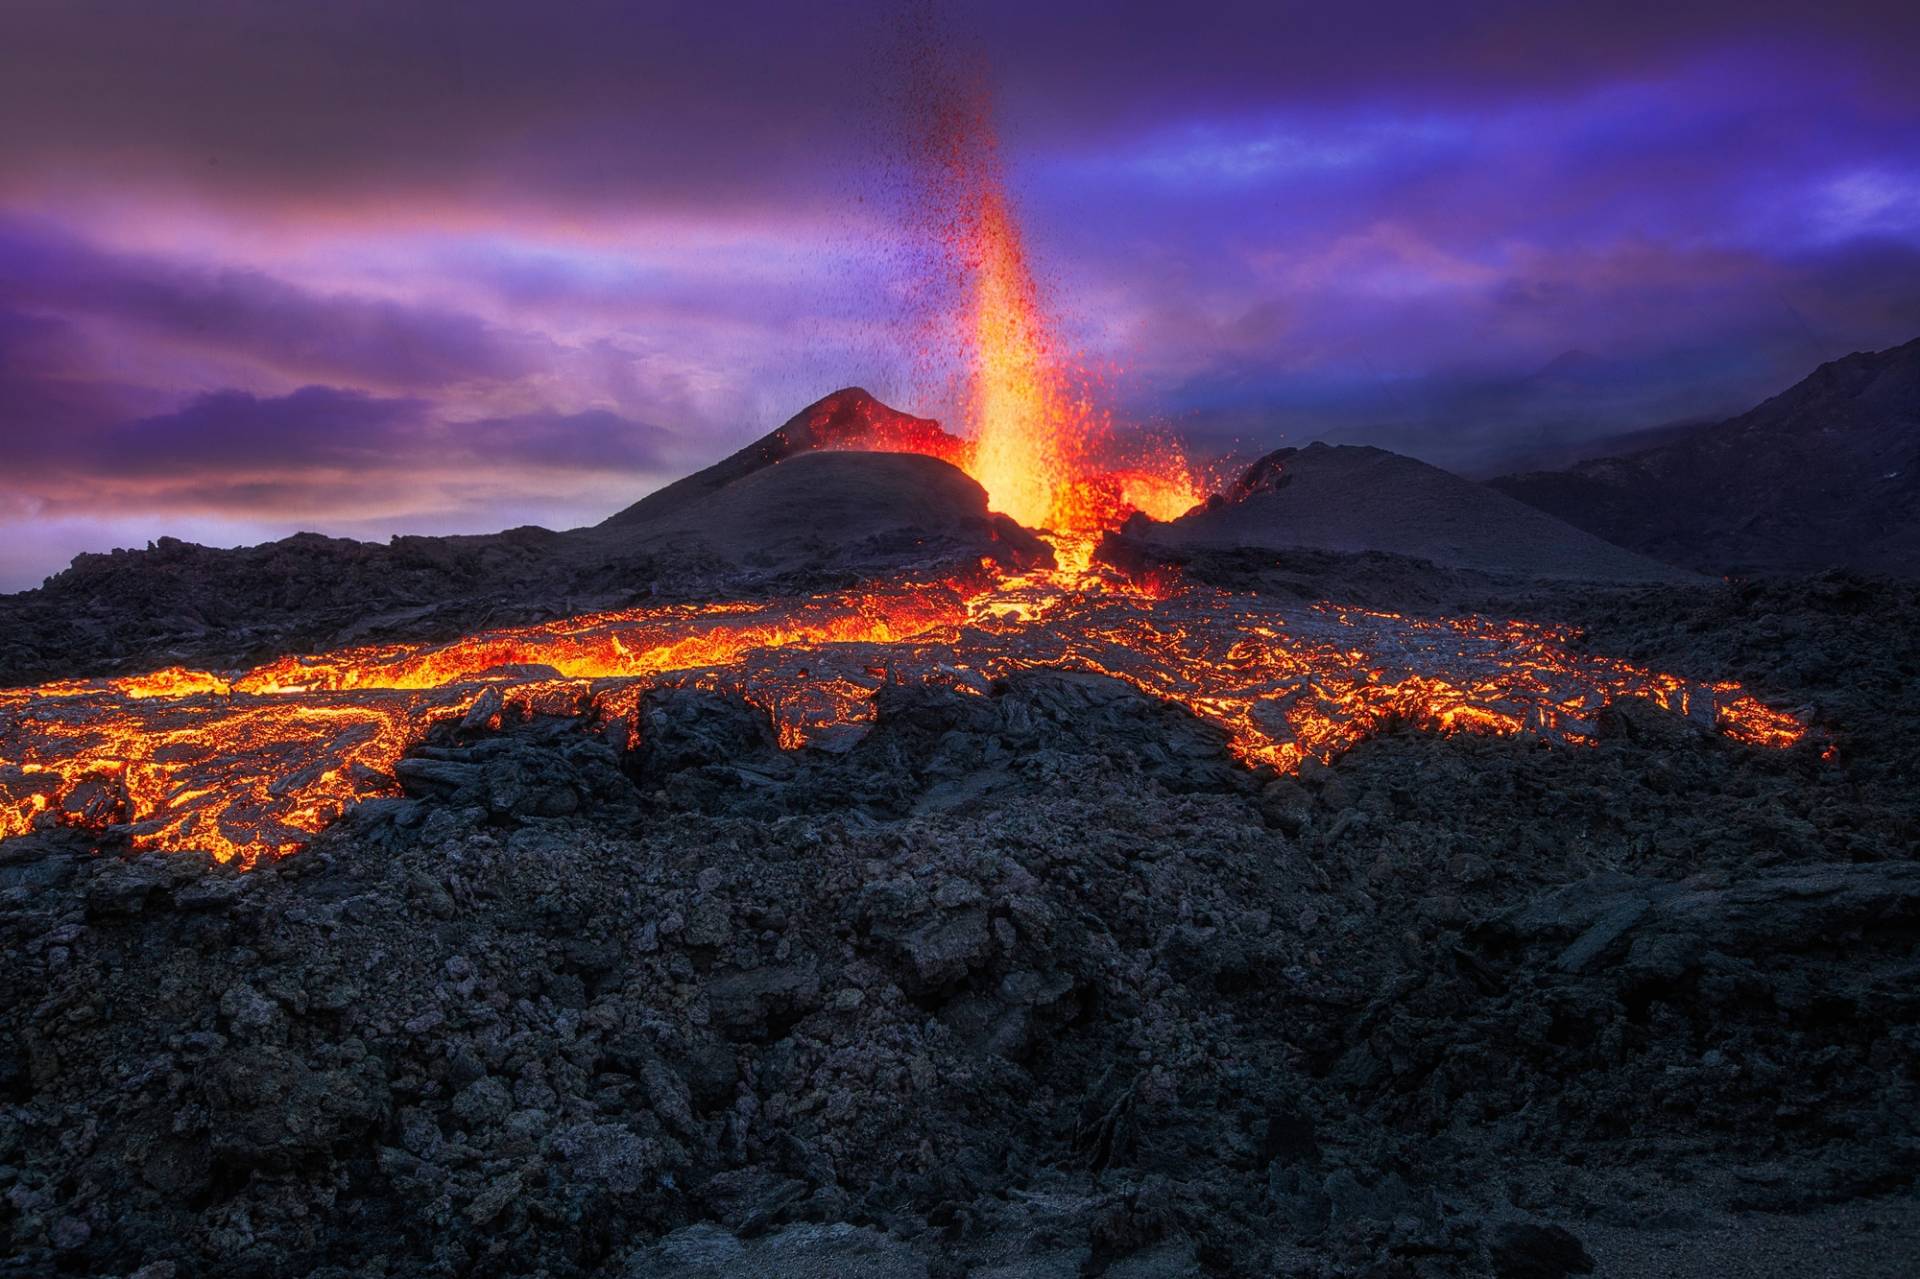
x: 1351, y: 498
x: 794, y: 512
x: 849, y: 419
x: 1825, y: 474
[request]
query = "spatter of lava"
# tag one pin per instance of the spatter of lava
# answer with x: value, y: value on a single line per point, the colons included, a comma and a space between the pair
x: 1038, y: 438
x: 251, y: 767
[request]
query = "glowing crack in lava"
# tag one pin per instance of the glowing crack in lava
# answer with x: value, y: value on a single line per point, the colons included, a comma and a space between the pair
x: 252, y: 767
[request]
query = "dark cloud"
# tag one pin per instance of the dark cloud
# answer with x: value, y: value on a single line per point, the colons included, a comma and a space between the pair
x: 1566, y: 351
x: 50, y: 388
x: 606, y: 102
x: 235, y: 432
x: 248, y: 314
x: 324, y: 427
x: 317, y: 449
x: 596, y: 439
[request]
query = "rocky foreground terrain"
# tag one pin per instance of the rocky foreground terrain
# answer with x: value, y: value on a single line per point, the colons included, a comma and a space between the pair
x: 1040, y: 982
x: 1037, y: 983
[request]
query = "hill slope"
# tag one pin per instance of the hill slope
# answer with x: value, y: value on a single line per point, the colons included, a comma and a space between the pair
x: 1352, y: 498
x: 832, y: 509
x: 752, y: 524
x: 848, y: 419
x: 1825, y: 474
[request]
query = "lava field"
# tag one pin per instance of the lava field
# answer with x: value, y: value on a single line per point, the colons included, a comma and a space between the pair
x: 252, y: 764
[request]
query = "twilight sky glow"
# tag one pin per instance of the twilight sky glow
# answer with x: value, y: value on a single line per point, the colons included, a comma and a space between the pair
x: 375, y: 268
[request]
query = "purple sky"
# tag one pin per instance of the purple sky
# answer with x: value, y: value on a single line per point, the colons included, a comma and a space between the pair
x: 375, y: 268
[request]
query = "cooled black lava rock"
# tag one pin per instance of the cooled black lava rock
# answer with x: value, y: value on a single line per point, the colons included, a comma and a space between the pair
x: 1033, y: 979
x: 1523, y: 1250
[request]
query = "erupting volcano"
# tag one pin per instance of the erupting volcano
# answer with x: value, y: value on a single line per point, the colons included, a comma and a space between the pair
x: 250, y: 764
x: 1149, y: 805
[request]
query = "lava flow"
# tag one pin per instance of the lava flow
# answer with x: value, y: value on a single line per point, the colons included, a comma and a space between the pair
x: 254, y: 766
x: 251, y: 765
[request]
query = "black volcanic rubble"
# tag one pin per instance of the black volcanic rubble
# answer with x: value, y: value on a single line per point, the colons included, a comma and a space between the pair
x: 1038, y: 982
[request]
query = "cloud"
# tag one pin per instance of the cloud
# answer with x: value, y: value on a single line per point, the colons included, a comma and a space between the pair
x: 328, y: 452
x: 246, y: 314
x: 595, y: 439
x: 604, y: 102
x: 399, y: 266
x: 236, y: 432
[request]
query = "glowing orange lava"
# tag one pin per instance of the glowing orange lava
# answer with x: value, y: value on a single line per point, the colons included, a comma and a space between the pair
x: 1038, y: 439
x: 251, y: 767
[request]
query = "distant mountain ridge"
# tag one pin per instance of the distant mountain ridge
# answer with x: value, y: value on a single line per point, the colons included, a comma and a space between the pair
x: 1824, y: 475
x: 1353, y: 499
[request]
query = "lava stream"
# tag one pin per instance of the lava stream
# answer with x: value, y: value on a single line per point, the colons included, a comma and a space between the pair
x: 252, y: 767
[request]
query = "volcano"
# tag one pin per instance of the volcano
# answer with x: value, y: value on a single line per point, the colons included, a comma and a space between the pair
x: 847, y: 420
x: 250, y: 763
x: 959, y: 829
x: 884, y: 881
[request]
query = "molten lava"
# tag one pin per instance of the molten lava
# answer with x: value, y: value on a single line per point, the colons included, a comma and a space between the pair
x: 1022, y: 425
x: 251, y: 767
x: 1037, y: 439
x: 1040, y: 446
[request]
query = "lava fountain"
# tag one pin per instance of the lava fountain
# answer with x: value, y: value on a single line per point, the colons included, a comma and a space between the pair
x: 1020, y: 433
x: 1039, y: 442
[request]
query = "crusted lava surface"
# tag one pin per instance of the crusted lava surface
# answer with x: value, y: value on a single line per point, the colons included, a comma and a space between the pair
x: 1038, y: 978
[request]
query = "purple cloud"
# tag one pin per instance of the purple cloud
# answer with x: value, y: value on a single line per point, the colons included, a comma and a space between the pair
x: 248, y: 314
x: 594, y: 439
x: 315, y: 428
x: 329, y: 429
x: 244, y: 251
